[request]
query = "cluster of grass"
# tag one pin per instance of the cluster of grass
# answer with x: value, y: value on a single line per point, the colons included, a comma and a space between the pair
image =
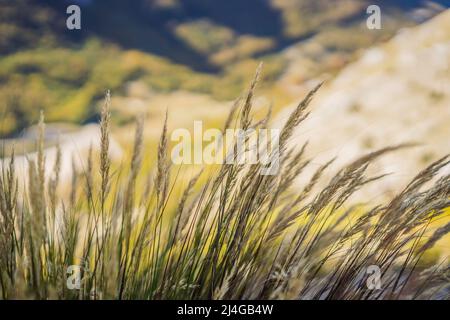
x: 233, y: 234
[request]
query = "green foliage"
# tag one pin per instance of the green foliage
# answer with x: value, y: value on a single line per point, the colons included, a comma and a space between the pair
x: 64, y: 82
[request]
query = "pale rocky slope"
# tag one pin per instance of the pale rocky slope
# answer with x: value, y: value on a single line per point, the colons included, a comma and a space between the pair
x: 397, y: 92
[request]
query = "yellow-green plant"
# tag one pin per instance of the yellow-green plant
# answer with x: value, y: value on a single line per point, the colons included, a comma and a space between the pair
x: 233, y: 234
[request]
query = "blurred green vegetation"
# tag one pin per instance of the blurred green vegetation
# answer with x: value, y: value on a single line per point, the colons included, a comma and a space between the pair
x: 67, y: 83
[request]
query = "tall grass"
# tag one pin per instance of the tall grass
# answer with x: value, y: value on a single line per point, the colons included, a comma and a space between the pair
x: 234, y: 234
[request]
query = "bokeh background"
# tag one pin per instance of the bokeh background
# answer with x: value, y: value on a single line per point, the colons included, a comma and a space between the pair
x: 194, y: 57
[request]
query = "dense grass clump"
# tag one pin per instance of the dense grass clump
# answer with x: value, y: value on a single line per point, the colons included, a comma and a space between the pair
x: 233, y: 234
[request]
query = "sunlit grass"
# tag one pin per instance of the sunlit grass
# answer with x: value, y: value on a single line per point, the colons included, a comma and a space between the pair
x: 151, y: 230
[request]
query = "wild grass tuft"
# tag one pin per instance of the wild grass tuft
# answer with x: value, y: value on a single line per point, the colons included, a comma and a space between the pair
x: 232, y: 233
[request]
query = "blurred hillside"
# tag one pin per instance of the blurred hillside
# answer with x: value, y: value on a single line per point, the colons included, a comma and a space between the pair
x: 198, y: 46
x: 397, y: 92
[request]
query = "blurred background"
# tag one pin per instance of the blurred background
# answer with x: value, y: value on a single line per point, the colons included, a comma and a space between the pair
x: 194, y: 57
